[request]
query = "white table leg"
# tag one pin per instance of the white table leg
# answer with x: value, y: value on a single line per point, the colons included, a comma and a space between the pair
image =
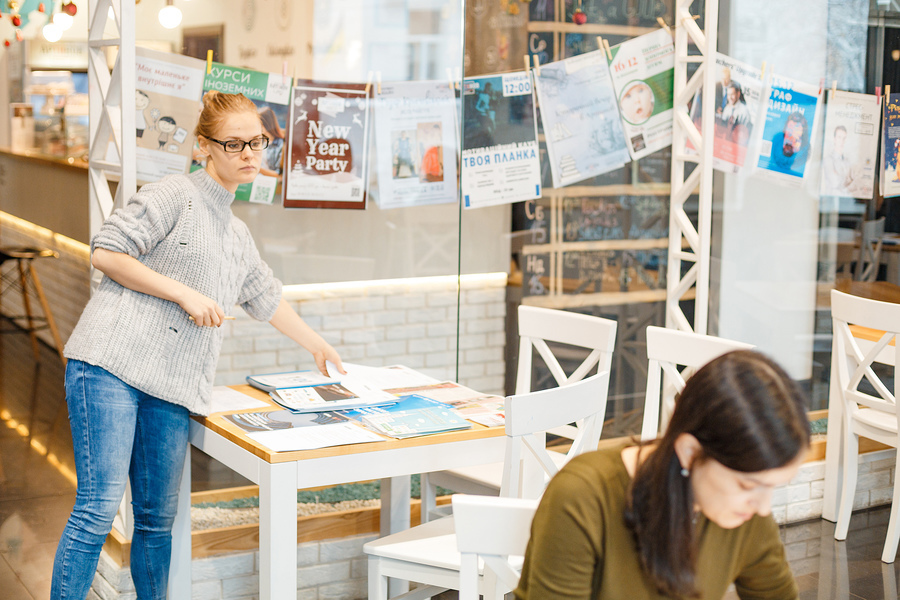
x: 395, y: 517
x: 180, y: 565
x: 833, y: 474
x: 277, y: 531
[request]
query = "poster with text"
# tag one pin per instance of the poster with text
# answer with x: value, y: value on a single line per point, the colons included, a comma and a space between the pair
x: 643, y: 71
x: 738, y: 108
x: 271, y: 93
x: 788, y: 128
x: 168, y: 88
x: 581, y: 121
x: 415, y: 135
x: 890, y: 147
x: 327, y: 146
x: 500, y: 161
x: 851, y: 144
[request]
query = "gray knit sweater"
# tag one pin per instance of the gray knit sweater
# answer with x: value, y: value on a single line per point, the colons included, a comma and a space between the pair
x: 181, y: 227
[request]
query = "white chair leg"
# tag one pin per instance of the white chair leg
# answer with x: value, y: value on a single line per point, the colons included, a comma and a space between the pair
x: 893, y: 532
x: 851, y: 466
x: 378, y: 583
x: 428, y: 492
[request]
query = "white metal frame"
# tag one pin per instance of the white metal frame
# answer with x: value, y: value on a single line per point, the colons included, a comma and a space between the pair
x: 687, y: 244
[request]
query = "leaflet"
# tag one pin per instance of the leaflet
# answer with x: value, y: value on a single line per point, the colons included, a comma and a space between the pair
x: 310, y: 438
x: 337, y: 396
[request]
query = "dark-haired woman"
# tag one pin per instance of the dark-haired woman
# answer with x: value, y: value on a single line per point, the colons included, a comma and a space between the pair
x: 684, y: 516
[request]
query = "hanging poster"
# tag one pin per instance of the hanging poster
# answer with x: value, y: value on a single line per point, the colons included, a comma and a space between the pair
x: 890, y: 147
x: 270, y: 92
x: 787, y: 130
x: 739, y: 91
x: 581, y: 122
x: 327, y: 146
x: 851, y: 145
x: 415, y: 134
x: 643, y: 71
x: 500, y: 161
x: 167, y: 90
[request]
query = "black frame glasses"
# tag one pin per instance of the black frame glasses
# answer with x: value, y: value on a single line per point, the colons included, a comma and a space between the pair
x: 232, y: 146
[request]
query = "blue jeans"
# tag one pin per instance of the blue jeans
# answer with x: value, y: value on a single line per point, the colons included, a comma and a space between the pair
x: 119, y: 432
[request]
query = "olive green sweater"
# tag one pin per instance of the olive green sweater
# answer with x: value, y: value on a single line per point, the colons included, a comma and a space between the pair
x: 580, y: 546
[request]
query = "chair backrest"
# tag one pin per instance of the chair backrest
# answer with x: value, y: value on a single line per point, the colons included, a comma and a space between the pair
x: 667, y: 350
x: 530, y: 416
x: 492, y: 529
x: 856, y: 355
x: 870, y: 250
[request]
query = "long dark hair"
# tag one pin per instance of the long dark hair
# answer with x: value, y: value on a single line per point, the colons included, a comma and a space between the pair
x: 749, y: 416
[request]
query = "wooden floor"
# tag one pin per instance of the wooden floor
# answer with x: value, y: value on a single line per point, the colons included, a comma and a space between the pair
x: 37, y: 490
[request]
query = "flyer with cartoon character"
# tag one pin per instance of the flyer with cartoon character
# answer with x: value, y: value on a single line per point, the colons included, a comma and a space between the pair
x: 326, y: 164
x: 643, y: 71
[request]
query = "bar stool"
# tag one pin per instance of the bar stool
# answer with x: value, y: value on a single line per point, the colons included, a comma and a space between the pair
x: 24, y: 278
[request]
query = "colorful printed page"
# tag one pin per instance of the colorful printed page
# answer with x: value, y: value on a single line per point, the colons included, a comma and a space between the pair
x: 787, y: 135
x: 851, y: 145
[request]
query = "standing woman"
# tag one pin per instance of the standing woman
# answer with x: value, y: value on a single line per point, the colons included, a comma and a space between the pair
x: 684, y: 516
x: 143, y: 356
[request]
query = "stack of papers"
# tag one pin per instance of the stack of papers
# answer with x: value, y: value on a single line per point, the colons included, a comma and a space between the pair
x: 336, y: 396
x: 483, y: 409
x: 290, y: 379
x: 411, y: 416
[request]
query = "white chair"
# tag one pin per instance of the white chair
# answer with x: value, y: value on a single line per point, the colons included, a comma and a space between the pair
x: 537, y: 326
x: 494, y: 530
x: 870, y: 250
x: 427, y: 553
x: 667, y: 349
x: 869, y: 410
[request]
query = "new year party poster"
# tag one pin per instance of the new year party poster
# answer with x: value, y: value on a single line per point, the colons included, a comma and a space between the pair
x: 167, y: 90
x: 890, y: 147
x: 851, y: 145
x: 327, y: 146
x: 787, y: 130
x: 643, y: 71
x: 416, y: 141
x: 271, y: 93
x: 581, y: 121
x: 738, y: 109
x: 500, y: 162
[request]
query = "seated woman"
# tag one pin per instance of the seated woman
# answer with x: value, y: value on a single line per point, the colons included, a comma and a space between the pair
x: 684, y: 516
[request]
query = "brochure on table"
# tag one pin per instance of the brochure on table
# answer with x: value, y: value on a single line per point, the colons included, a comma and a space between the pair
x: 581, y: 121
x: 643, y: 71
x: 500, y: 162
x: 415, y: 131
x: 271, y: 93
x: 326, y: 165
x: 272, y: 381
x: 168, y: 88
x: 413, y: 415
x: 274, y: 420
x: 350, y: 393
x: 739, y: 92
x: 788, y: 130
x: 483, y: 409
x: 851, y: 144
x: 311, y: 438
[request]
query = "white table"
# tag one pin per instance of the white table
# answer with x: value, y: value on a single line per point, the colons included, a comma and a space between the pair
x: 280, y: 474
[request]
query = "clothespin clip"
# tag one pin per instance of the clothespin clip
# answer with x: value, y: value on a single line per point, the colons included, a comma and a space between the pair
x: 877, y: 94
x: 664, y: 25
x: 537, y: 65
x: 821, y: 85
x: 369, y: 84
x: 762, y: 71
x: 833, y: 87
x: 208, y: 62
x: 284, y: 72
x: 606, y: 47
x: 378, y: 78
x: 527, y: 63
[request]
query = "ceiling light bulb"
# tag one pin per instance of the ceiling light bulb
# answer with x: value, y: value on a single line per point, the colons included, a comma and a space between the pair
x: 52, y: 32
x: 63, y: 20
x: 170, y: 17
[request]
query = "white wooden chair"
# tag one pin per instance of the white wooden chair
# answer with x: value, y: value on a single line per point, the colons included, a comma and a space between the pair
x: 870, y: 250
x: 667, y: 350
x: 494, y: 531
x: 537, y: 326
x: 868, y: 409
x: 427, y: 553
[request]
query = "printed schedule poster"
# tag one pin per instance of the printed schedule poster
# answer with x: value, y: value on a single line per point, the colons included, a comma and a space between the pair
x: 851, y: 145
x: 581, y: 122
x: 327, y: 151
x: 415, y: 134
x: 500, y: 161
x: 739, y: 92
x: 271, y: 93
x: 643, y: 71
x: 168, y: 88
x: 787, y: 131
x: 891, y: 147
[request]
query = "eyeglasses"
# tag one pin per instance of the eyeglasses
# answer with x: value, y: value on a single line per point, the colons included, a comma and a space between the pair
x: 234, y: 146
